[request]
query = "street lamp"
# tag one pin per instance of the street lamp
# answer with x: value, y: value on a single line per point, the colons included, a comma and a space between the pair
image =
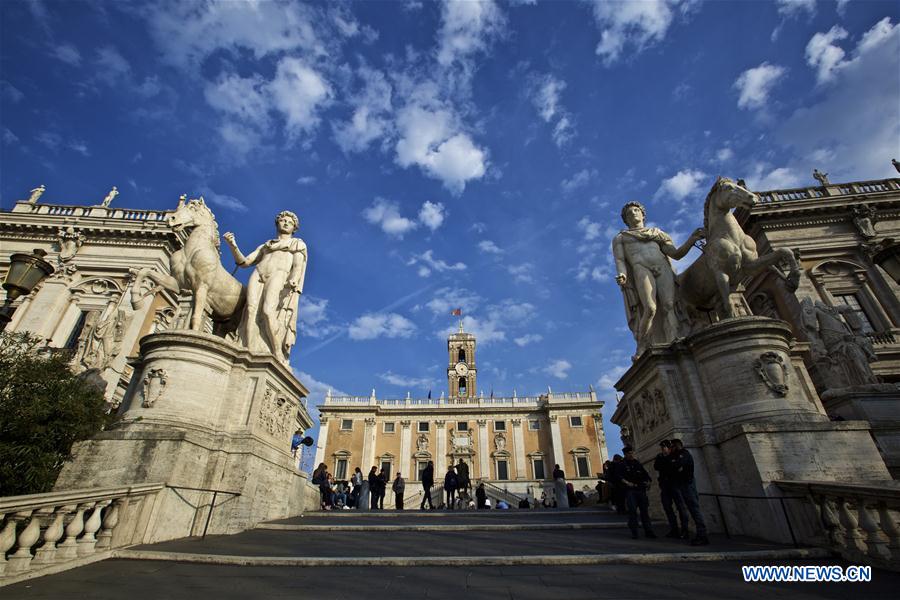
x: 888, y: 258
x: 25, y: 272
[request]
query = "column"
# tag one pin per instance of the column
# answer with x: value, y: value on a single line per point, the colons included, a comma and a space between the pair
x: 368, y: 457
x: 601, y: 439
x: 440, y: 450
x: 405, y: 454
x: 46, y: 308
x: 320, y: 444
x: 68, y: 320
x: 483, y: 458
x: 556, y: 441
x: 519, y: 450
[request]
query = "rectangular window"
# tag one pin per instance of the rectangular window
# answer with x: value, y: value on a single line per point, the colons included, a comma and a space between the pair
x: 72, y: 342
x: 582, y: 466
x: 502, y: 470
x: 389, y: 427
x: 340, y: 471
x: 853, y: 302
x: 386, y: 467
x: 462, y: 426
x: 575, y: 422
x: 421, y: 467
x: 499, y: 425
x: 423, y: 426
x: 538, y: 464
x: 533, y: 425
x: 346, y: 424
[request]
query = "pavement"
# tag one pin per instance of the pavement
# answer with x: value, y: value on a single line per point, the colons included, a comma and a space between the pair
x: 533, y: 554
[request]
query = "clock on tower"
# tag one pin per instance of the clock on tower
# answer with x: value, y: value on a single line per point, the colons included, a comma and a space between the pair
x: 461, y: 371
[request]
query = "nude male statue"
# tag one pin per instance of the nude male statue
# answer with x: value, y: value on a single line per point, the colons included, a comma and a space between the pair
x: 269, y: 323
x: 645, y: 274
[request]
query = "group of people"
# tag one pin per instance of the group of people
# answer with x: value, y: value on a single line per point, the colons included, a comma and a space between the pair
x: 630, y: 482
x: 457, y: 487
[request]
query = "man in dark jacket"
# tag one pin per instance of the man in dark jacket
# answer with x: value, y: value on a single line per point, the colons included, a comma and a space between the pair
x: 451, y: 482
x: 631, y: 474
x: 398, y: 487
x: 374, y: 482
x: 480, y: 496
x: 686, y: 489
x: 462, y: 473
x: 427, y: 484
x: 664, y: 466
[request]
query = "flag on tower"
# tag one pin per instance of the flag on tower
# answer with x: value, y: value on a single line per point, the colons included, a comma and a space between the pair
x: 456, y: 312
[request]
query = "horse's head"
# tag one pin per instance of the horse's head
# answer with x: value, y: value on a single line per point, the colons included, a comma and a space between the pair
x: 190, y: 214
x: 732, y: 195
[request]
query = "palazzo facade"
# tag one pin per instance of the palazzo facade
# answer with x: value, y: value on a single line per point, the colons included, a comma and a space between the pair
x: 511, y: 443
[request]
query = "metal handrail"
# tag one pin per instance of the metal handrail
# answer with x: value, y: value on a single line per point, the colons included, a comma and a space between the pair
x: 212, y: 504
x: 780, y: 499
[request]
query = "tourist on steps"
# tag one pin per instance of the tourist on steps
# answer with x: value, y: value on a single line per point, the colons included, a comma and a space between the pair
x: 451, y: 482
x: 398, y: 486
x: 427, y: 483
x: 559, y: 487
x: 373, y: 487
x: 480, y: 496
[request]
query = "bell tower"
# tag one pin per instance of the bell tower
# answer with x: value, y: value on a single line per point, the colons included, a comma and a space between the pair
x: 461, y: 371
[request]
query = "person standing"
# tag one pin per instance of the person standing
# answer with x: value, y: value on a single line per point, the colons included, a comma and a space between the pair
x: 451, y: 482
x: 663, y: 465
x: 634, y: 477
x: 382, y: 488
x: 462, y: 473
x: 686, y: 490
x: 618, y: 490
x: 559, y: 487
x: 357, y: 481
x: 373, y: 487
x: 480, y: 496
x: 398, y: 487
x: 427, y: 483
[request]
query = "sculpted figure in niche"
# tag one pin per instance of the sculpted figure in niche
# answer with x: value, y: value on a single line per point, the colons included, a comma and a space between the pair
x: 842, y: 355
x: 422, y: 442
x: 644, y: 273
x: 101, y: 339
x: 499, y: 441
x: 269, y: 322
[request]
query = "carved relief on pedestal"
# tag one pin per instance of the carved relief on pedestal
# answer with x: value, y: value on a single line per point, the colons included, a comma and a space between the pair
x: 772, y: 370
x: 275, y: 413
x: 650, y: 410
x: 153, y: 386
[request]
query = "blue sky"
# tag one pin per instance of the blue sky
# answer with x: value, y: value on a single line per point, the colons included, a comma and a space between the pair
x: 444, y: 155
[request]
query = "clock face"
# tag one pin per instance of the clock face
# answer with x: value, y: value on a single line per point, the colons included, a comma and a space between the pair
x: 461, y: 369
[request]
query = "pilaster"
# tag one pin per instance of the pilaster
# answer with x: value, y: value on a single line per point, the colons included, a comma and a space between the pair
x: 440, y: 450
x: 405, y: 453
x: 519, y: 449
x: 483, y: 458
x: 556, y: 440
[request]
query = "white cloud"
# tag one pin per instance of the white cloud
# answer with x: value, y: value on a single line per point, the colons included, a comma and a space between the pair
x: 489, y: 247
x: 831, y: 126
x: 681, y: 185
x: 755, y: 85
x: 492, y: 326
x: 579, y: 179
x: 10, y: 92
x: 467, y: 28
x: 590, y: 229
x: 448, y: 299
x: 374, y: 325
x: 223, y: 200
x: 406, y: 381
x: 242, y: 97
x: 764, y: 178
x: 545, y: 93
x: 432, y: 214
x: 608, y: 380
x: 427, y: 263
x: 386, y: 214
x: 306, y: 180
x: 523, y: 273
x: 111, y: 66
x: 528, y: 338
x: 371, y: 119
x: 9, y: 137
x: 724, y: 155
x: 314, y: 321
x: 299, y: 92
x: 67, y: 53
x: 80, y: 147
x: 824, y: 55
x: 559, y: 368
x: 633, y: 25
x: 793, y: 8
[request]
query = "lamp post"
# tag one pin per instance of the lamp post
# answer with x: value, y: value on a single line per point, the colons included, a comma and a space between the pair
x: 887, y: 256
x: 25, y: 272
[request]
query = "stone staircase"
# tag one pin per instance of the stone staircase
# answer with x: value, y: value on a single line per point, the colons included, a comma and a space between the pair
x: 415, y: 554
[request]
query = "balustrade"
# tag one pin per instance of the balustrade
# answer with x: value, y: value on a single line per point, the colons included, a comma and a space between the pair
x: 44, y: 531
x: 860, y: 521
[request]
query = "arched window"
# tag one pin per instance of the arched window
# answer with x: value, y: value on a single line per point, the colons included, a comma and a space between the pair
x: 462, y: 386
x: 462, y: 355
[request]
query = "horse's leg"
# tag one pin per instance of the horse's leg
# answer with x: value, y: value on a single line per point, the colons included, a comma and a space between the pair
x: 199, y: 307
x: 773, y: 258
x: 724, y: 286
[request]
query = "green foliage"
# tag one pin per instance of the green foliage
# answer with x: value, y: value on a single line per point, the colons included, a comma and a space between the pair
x: 44, y: 409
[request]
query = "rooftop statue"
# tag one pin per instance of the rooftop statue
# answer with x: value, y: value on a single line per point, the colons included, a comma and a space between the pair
x: 644, y: 273
x: 730, y: 255
x: 197, y: 267
x: 821, y: 177
x: 269, y: 322
x: 36, y: 193
x: 110, y: 196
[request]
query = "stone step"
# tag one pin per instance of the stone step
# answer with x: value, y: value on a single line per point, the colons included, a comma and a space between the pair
x: 450, y: 518
x: 641, y: 558
x: 436, y: 514
x: 443, y: 526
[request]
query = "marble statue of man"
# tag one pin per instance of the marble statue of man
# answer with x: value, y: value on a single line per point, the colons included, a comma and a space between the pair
x: 269, y: 323
x: 110, y: 196
x: 821, y: 177
x: 646, y: 277
x: 843, y: 354
x: 36, y: 193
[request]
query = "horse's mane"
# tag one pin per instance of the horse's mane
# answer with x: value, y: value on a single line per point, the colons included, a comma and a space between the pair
x: 715, y: 188
x: 200, y: 206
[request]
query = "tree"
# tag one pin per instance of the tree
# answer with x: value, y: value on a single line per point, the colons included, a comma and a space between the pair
x: 44, y: 409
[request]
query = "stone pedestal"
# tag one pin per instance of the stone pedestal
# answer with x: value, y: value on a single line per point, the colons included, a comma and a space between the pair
x: 201, y: 412
x: 740, y: 398
x: 879, y: 405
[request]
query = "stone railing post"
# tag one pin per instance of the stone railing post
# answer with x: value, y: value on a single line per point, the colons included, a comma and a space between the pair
x: 21, y: 560
x: 46, y: 554
x: 7, y: 539
x: 110, y: 520
x: 852, y: 536
x: 69, y: 549
x: 88, y: 540
x: 888, y: 524
x: 876, y: 544
x: 831, y: 522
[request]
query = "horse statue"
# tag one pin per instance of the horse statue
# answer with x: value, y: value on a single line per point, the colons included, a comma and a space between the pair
x: 730, y: 255
x: 198, y: 267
